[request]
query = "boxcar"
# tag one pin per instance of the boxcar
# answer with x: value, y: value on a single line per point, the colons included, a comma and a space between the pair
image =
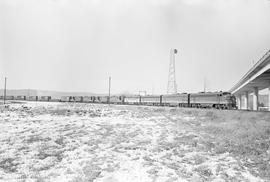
x: 181, y: 100
x: 55, y: 99
x: 32, y: 98
x: 21, y: 97
x: 88, y: 99
x: 101, y: 99
x: 9, y: 97
x: 75, y: 99
x: 45, y: 98
x: 64, y: 99
x: 71, y: 99
x: 78, y: 98
x: 116, y: 99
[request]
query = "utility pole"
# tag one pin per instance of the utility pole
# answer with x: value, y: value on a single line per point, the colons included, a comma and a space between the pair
x: 5, y: 90
x: 109, y: 90
x: 204, y: 85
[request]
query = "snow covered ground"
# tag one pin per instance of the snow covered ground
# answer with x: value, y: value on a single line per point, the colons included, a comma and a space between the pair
x: 99, y: 143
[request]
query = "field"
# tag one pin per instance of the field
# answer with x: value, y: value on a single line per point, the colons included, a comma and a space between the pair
x: 100, y: 143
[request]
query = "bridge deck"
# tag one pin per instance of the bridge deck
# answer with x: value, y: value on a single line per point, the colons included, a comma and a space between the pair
x: 256, y: 79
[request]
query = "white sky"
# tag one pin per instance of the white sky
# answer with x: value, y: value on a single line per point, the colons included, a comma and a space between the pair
x: 75, y: 45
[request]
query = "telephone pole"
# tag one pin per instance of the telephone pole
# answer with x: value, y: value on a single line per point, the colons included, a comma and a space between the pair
x: 5, y: 90
x: 109, y: 90
x: 204, y: 85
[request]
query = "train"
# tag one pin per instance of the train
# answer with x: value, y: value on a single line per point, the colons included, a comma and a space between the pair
x: 218, y: 100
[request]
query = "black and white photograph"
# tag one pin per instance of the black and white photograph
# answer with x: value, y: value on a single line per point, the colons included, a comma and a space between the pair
x: 134, y: 90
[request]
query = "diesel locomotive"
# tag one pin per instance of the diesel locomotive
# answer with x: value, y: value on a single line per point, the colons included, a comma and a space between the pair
x: 219, y: 100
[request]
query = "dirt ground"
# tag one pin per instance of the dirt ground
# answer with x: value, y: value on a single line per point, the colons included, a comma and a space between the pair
x: 99, y: 143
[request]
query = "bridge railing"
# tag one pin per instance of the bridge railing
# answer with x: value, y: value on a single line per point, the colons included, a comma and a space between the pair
x: 267, y: 54
x: 262, y: 59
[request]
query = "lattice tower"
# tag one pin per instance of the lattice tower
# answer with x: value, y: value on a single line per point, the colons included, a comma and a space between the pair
x: 172, y: 87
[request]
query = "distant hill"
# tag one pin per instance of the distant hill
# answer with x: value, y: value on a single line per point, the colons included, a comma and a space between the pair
x: 34, y: 92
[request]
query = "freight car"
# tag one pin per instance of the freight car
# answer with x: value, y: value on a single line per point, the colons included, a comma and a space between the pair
x: 20, y: 97
x: 32, y: 98
x: 55, y: 99
x: 71, y: 99
x: 117, y: 99
x: 88, y: 99
x: 64, y: 99
x: 78, y: 99
x: 102, y: 99
x: 45, y: 98
x: 9, y: 97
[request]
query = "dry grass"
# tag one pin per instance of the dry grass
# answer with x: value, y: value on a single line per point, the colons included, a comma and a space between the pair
x: 243, y: 134
x: 84, y: 142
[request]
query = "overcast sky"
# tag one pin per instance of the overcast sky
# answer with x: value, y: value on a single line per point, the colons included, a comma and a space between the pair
x: 75, y: 45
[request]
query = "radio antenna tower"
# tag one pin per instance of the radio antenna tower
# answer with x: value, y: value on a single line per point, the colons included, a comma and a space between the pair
x: 172, y: 87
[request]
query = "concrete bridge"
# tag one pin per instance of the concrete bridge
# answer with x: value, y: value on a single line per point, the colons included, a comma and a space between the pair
x: 256, y: 79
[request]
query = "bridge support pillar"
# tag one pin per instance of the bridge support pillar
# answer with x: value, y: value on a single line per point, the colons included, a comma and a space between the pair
x: 238, y: 99
x: 269, y: 96
x: 246, y: 100
x: 256, y: 99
